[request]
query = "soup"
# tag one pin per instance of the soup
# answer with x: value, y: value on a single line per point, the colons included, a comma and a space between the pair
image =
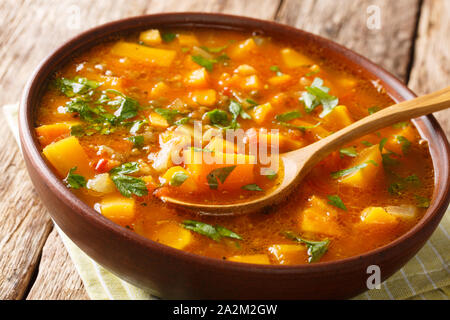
x: 201, y: 115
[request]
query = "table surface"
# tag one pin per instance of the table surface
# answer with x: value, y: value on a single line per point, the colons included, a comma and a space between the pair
x: 410, y: 38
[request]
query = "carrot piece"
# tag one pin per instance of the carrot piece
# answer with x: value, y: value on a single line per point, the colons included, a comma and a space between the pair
x: 201, y: 164
x: 49, y: 133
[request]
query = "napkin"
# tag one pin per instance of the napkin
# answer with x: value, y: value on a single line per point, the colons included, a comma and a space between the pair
x: 426, y: 276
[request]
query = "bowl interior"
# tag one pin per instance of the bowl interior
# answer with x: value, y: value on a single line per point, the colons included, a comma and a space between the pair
x: 427, y: 126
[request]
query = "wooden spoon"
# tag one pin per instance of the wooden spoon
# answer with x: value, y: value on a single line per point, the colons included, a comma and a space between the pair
x: 299, y: 162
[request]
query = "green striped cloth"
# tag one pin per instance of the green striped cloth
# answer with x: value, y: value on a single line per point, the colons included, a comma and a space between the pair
x: 426, y: 276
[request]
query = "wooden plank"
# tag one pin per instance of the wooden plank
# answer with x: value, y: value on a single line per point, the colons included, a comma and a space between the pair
x: 431, y: 68
x: 354, y: 25
x: 31, y: 30
x: 24, y: 223
x: 57, y: 278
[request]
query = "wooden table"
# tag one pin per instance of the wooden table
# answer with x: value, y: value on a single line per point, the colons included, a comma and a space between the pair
x: 410, y: 38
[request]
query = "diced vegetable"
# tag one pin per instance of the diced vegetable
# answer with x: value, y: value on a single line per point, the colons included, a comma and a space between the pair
x: 293, y: 59
x: 204, y: 97
x: 262, y: 112
x: 159, y: 57
x: 201, y: 164
x: 280, y: 80
x: 399, y: 143
x: 187, y: 40
x: 254, y: 258
x: 364, y: 175
x: 316, y: 249
x: 320, y: 218
x: 218, y: 144
x: 198, y: 78
x: 251, y: 83
x: 52, y: 132
x: 173, y: 235
x: 119, y: 209
x: 159, y: 90
x: 377, y: 215
x: 179, y: 177
x: 158, y: 120
x: 101, y: 183
x: 150, y: 37
x: 405, y: 211
x: 338, y: 118
x: 244, y: 49
x: 268, y: 140
x: 245, y: 70
x: 66, y: 154
x: 287, y: 253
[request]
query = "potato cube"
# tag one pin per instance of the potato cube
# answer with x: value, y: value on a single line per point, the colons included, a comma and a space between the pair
x: 377, y: 215
x: 293, y: 59
x: 280, y: 80
x: 159, y: 57
x: 262, y: 113
x: 150, y: 37
x: 172, y: 235
x: 251, y: 83
x: 119, y: 209
x: 158, y: 120
x: 111, y: 83
x: 287, y: 253
x: 397, y: 144
x: 198, y: 78
x: 338, y: 118
x: 245, y: 70
x: 363, y: 177
x: 187, y: 40
x: 66, y: 154
x: 159, y: 90
x: 321, y: 218
x: 204, y: 97
x: 254, y: 258
x: 244, y: 49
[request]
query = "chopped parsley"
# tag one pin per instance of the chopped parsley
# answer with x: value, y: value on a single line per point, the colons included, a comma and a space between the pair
x: 345, y: 172
x: 288, y: 116
x: 216, y: 233
x: 252, y: 187
x: 138, y: 141
x: 316, y: 249
x: 316, y: 95
x: 75, y: 181
x: 219, y: 174
x: 128, y: 185
x: 168, y: 36
x: 337, y: 202
x: 350, y: 151
x: 178, y: 178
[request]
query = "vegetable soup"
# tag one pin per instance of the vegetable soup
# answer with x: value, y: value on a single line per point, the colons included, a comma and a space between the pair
x: 201, y: 115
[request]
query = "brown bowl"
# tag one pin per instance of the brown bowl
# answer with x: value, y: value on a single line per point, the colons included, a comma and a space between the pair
x: 174, y: 274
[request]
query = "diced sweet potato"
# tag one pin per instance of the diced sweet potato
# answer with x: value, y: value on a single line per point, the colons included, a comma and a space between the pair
x: 119, y: 209
x: 49, y: 133
x: 187, y: 40
x: 172, y: 235
x: 200, y: 164
x: 346, y: 82
x: 244, y: 49
x: 206, y: 97
x: 159, y: 57
x: 287, y: 253
x: 397, y: 144
x: 197, y: 78
x: 377, y: 215
x: 294, y: 59
x: 280, y: 80
x: 188, y: 185
x: 150, y: 37
x: 159, y: 90
x: 158, y: 120
x: 338, y: 118
x: 245, y: 70
x: 321, y: 218
x: 364, y: 177
x: 66, y: 154
x: 262, y: 112
x: 254, y: 258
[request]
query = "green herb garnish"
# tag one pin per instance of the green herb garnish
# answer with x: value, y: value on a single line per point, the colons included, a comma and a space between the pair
x: 422, y: 202
x: 219, y: 174
x: 75, y: 181
x: 208, y: 64
x: 216, y: 233
x: 316, y: 249
x: 138, y: 141
x: 288, y: 116
x: 128, y: 185
x: 252, y: 187
x: 337, y: 202
x: 350, y: 151
x: 317, y: 94
x: 178, y: 178
x: 168, y: 36
x: 345, y: 172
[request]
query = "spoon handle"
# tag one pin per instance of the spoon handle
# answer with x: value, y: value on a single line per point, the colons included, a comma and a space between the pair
x: 399, y: 112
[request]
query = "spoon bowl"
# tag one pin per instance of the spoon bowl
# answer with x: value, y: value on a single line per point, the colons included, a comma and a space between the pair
x: 298, y: 163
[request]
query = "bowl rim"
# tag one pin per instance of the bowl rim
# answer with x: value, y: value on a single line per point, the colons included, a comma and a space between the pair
x: 395, y: 88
